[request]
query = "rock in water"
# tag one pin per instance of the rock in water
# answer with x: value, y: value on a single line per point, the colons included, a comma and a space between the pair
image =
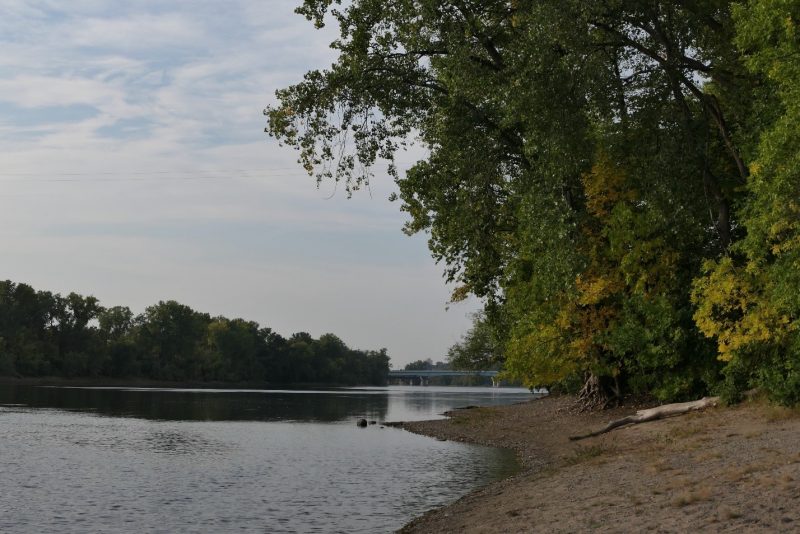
x: 362, y: 422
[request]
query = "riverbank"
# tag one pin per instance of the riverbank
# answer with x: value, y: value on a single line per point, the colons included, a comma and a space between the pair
x: 721, y: 470
x: 102, y: 382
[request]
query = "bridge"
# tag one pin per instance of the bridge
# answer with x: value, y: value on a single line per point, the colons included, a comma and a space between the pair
x: 421, y: 376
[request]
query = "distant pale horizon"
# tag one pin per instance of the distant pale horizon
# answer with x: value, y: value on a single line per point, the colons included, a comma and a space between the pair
x: 135, y: 169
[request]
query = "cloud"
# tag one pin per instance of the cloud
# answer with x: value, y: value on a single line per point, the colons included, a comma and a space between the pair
x: 132, y: 34
x: 135, y: 167
x: 46, y: 91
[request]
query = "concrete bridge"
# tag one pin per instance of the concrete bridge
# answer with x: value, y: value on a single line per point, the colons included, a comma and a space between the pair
x: 421, y: 377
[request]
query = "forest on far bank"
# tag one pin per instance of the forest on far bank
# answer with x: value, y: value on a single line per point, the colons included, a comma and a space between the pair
x: 618, y: 182
x: 47, y: 334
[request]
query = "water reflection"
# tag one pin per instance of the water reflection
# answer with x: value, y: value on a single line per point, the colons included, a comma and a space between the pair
x: 415, y: 403
x: 200, y: 405
x: 398, y: 403
x: 219, y: 461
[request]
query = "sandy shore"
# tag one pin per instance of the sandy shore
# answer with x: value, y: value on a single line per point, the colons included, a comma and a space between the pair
x: 722, y: 470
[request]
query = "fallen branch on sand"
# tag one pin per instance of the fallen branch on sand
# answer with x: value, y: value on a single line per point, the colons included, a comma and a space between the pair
x: 652, y: 414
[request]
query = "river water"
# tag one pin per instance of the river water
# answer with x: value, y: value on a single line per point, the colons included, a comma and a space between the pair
x: 158, y: 460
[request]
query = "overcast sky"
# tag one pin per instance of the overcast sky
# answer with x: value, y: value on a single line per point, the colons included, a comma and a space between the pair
x: 134, y: 167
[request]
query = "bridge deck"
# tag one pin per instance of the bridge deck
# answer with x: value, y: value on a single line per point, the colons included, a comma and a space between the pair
x: 433, y: 373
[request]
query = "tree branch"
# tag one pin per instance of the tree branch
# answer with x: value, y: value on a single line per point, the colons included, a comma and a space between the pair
x: 653, y: 414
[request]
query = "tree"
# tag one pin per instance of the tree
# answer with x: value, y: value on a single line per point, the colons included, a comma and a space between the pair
x: 115, y: 323
x: 170, y: 335
x: 232, y: 351
x: 481, y: 348
x: 25, y: 319
x: 583, y: 161
x: 749, y: 301
x: 420, y: 365
x: 79, y: 351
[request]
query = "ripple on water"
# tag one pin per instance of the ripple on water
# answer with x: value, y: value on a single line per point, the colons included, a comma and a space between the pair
x: 182, y: 442
x: 78, y: 472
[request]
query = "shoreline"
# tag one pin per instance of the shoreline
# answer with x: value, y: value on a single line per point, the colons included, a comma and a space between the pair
x: 720, y: 470
x: 101, y: 382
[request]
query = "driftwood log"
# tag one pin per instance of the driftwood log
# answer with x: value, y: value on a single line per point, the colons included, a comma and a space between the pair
x: 652, y: 414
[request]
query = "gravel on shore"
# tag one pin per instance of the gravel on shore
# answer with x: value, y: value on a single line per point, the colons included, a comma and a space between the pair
x: 734, y: 469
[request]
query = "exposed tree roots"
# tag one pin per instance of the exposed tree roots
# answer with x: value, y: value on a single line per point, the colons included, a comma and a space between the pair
x: 593, y: 396
x: 652, y: 414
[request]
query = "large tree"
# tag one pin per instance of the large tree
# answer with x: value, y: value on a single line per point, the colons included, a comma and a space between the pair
x: 583, y: 159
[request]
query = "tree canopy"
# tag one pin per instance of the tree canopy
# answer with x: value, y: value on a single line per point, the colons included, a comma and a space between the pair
x: 45, y: 334
x: 616, y: 180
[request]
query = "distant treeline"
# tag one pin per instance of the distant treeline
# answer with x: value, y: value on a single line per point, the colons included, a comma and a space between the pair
x: 46, y: 334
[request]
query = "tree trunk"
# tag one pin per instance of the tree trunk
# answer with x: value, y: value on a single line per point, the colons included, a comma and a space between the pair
x: 592, y: 395
x: 652, y: 414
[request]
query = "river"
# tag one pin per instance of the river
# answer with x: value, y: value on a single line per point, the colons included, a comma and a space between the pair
x: 199, y: 460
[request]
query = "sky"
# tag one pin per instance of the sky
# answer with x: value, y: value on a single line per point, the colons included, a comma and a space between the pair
x: 134, y: 167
